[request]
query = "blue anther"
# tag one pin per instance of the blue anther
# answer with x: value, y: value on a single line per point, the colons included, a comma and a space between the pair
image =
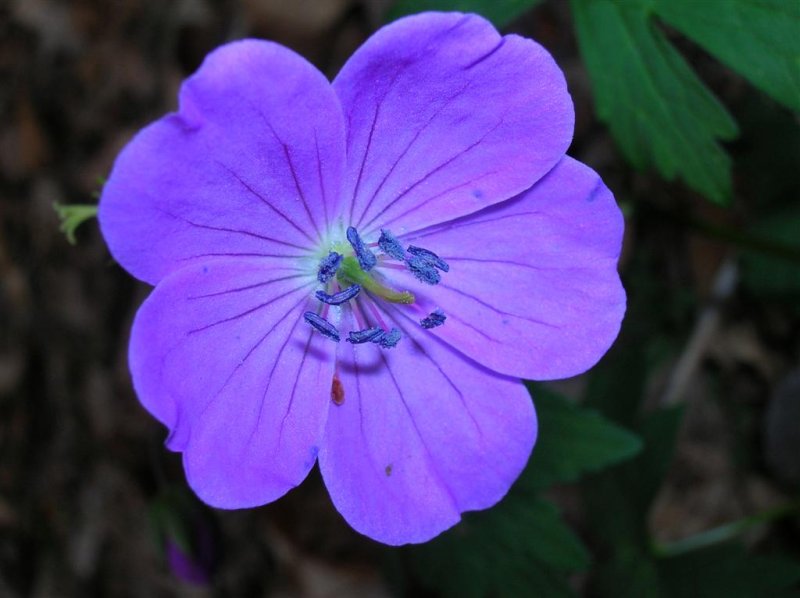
x: 387, y: 340
x: 340, y: 297
x: 328, y: 266
x: 364, y: 336
x: 423, y: 270
x: 436, y: 318
x: 391, y: 246
x: 366, y: 259
x: 430, y: 257
x: 322, y: 325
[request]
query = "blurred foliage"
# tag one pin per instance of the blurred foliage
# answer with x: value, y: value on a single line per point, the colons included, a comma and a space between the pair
x: 619, y: 500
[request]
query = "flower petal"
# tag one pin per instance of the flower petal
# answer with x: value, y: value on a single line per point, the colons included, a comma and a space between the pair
x: 220, y: 354
x: 445, y: 117
x: 251, y: 164
x: 533, y: 289
x: 422, y: 435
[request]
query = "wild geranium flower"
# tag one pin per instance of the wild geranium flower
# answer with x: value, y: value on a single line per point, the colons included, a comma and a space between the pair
x: 359, y: 273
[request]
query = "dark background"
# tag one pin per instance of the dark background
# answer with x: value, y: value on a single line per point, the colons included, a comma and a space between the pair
x: 83, y: 473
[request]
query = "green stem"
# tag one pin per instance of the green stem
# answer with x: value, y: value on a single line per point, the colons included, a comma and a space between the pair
x: 725, y: 532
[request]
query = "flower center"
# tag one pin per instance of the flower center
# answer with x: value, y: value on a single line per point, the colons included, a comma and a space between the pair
x: 352, y: 279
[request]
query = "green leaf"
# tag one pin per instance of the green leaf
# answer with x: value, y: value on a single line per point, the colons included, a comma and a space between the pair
x: 758, y: 38
x: 573, y: 441
x: 499, y: 12
x: 631, y: 487
x: 659, y: 112
x: 727, y: 570
x: 646, y: 473
x: 552, y: 542
x: 520, y: 547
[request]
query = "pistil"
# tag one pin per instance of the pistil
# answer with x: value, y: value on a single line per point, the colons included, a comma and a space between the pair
x: 350, y: 272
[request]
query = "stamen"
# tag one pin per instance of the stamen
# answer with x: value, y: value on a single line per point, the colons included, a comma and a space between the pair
x: 364, y: 336
x: 324, y: 327
x: 430, y: 257
x: 366, y: 259
x: 328, y: 266
x: 388, y: 340
x: 340, y: 297
x: 433, y: 320
x: 423, y: 270
x: 391, y: 246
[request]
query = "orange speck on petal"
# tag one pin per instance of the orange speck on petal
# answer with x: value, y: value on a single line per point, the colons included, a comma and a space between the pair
x: 337, y: 390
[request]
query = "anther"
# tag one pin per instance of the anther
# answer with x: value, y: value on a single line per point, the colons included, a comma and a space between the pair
x: 324, y: 327
x: 364, y: 336
x: 391, y: 246
x: 430, y: 257
x: 340, y: 297
x: 383, y: 338
x: 328, y: 266
x: 366, y: 259
x: 436, y: 318
x: 423, y: 270
x: 387, y: 340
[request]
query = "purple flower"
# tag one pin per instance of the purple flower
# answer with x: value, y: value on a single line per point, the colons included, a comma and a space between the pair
x: 431, y: 174
x: 184, y: 566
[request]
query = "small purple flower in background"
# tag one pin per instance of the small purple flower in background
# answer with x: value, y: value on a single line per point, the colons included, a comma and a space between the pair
x: 186, y: 536
x: 359, y: 273
x: 183, y: 566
